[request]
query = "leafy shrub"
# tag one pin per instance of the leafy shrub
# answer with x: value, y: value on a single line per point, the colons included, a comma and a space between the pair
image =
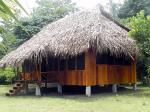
x: 148, y: 70
x: 140, y: 31
x: 6, y: 75
x: 3, y: 79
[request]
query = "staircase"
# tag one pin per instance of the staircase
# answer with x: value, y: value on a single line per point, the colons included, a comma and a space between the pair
x: 16, y: 89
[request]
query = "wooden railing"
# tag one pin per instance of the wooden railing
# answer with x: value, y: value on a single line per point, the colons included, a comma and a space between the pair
x: 29, y: 76
x: 43, y: 76
x: 49, y: 76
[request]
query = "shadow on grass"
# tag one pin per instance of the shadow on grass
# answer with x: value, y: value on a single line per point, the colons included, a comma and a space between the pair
x: 77, y: 93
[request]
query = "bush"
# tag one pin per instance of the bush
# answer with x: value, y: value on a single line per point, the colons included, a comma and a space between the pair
x: 140, y: 31
x: 6, y: 75
x: 3, y: 79
x: 148, y: 70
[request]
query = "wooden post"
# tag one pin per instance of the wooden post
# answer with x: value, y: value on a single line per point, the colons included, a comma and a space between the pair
x: 88, y: 91
x: 37, y: 72
x: 59, y: 88
x: 24, y: 76
x: 17, y: 71
x: 114, y: 88
x: 26, y: 88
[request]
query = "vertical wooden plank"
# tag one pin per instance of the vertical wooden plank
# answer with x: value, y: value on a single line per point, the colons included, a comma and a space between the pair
x: 86, y: 68
x: 39, y: 70
x: 102, y: 75
x: 79, y: 79
x: 83, y: 78
x: 125, y: 74
x: 133, y: 72
x: 110, y: 74
x: 112, y: 71
x: 90, y: 67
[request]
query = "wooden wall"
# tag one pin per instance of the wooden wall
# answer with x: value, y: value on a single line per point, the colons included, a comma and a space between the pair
x: 104, y: 74
x: 93, y: 74
x: 72, y: 77
x: 116, y: 74
x: 80, y: 77
x: 90, y: 68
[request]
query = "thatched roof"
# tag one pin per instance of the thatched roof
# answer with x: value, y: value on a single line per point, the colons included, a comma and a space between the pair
x: 72, y: 35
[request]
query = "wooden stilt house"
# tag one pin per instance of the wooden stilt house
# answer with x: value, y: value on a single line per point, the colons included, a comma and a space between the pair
x: 86, y: 49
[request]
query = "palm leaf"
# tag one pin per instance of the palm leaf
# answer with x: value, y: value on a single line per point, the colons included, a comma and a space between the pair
x: 7, y: 10
x: 16, y: 1
x: 3, y: 16
x: 1, y: 29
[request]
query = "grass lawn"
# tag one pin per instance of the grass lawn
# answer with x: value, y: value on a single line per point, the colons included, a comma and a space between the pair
x: 126, y: 101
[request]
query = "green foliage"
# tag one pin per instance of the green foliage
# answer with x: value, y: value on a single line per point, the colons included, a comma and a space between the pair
x: 6, y: 75
x: 132, y: 7
x: 53, y: 8
x: 140, y: 30
x: 148, y: 70
x: 114, y: 8
x: 139, y: 23
x: 8, y: 10
x: 46, y: 12
x: 9, y: 40
x: 3, y: 50
x: 3, y: 79
x: 13, y: 34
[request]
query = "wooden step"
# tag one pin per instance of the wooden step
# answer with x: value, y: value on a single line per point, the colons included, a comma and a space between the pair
x: 15, y: 88
x: 18, y: 84
x: 11, y: 91
x: 9, y: 94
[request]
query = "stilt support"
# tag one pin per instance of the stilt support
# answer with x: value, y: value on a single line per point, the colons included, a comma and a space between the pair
x: 59, y: 89
x: 88, y: 91
x: 114, y: 88
x: 26, y: 88
x: 135, y: 87
x: 38, y: 91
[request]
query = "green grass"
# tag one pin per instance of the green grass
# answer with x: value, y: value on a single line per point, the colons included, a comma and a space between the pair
x: 126, y: 101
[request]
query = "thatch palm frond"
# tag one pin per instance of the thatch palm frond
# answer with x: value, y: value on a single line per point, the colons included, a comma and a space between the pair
x: 73, y: 35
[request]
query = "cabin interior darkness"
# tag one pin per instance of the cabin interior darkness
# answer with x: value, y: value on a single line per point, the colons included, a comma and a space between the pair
x: 75, y: 63
x: 72, y: 63
x: 106, y: 58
